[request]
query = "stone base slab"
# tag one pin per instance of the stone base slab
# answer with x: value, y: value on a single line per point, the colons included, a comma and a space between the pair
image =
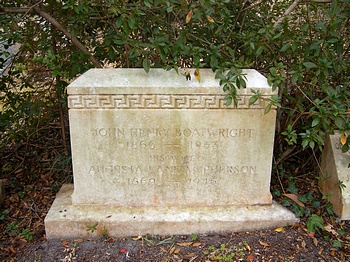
x: 65, y: 220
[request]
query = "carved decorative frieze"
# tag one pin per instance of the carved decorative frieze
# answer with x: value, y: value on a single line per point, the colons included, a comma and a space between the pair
x: 158, y: 101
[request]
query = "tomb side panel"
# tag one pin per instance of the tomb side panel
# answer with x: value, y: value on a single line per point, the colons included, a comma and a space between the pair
x: 334, y: 170
x: 160, y: 157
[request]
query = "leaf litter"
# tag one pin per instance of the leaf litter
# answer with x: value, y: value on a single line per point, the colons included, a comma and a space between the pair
x: 31, y: 189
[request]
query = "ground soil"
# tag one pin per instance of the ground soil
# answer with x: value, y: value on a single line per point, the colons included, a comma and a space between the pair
x: 292, y: 244
x: 31, y: 185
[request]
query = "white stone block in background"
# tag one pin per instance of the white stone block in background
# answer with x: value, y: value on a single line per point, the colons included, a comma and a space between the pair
x: 334, y: 172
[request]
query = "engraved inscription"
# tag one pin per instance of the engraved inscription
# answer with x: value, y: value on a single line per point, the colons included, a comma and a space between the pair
x: 205, y: 181
x: 108, y: 132
x: 172, y: 155
x: 171, y: 158
x: 191, y: 132
x: 221, y: 170
x: 139, y: 145
x: 150, y: 139
x: 141, y: 181
x: 167, y: 156
x: 205, y: 144
x: 173, y: 132
x: 161, y: 175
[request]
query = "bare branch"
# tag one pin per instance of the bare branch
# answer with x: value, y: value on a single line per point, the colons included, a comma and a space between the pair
x: 15, y: 10
x: 252, y: 5
x: 287, y: 12
x: 321, y: 1
x: 56, y: 24
x: 75, y: 41
x: 294, y: 4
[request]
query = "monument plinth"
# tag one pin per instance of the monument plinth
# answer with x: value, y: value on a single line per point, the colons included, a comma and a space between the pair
x: 155, y: 153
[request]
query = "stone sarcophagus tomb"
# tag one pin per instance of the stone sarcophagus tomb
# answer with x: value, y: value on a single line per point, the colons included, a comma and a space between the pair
x: 155, y: 153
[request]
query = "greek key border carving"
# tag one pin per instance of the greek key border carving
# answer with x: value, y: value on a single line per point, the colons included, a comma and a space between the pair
x: 159, y: 101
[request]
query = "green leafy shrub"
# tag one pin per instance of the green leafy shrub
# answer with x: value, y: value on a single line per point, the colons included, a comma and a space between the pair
x: 305, y: 54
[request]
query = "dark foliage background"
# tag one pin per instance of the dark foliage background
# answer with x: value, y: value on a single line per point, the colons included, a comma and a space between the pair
x: 302, y: 47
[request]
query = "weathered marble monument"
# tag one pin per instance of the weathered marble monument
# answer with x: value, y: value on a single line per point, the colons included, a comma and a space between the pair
x: 335, y: 176
x: 154, y: 153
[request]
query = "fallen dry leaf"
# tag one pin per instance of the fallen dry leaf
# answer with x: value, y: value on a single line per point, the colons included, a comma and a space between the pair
x: 110, y: 240
x: 189, y: 16
x: 311, y: 234
x: 79, y: 240
x: 295, y: 199
x: 190, y: 255
x: 65, y: 244
x: 197, y: 244
x: 263, y: 244
x: 18, y: 171
x: 279, y: 229
x: 343, y: 139
x: 184, y: 244
x: 331, y: 230
x: 172, y: 250
x: 164, y: 250
x: 303, y: 244
x: 197, y: 75
x: 136, y: 238
x: 320, y: 251
x: 13, y: 250
x: 187, y: 74
x: 210, y: 19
